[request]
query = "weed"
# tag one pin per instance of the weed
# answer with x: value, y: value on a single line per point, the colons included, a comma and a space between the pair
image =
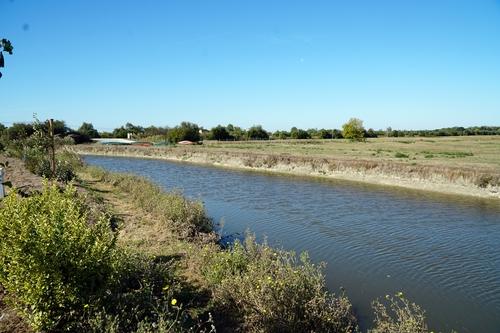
x: 401, y: 155
x: 269, y: 290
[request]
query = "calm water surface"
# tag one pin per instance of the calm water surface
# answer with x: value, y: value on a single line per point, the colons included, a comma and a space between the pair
x: 442, y: 252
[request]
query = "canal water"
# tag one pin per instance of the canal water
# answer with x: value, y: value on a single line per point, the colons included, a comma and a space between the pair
x: 442, y: 252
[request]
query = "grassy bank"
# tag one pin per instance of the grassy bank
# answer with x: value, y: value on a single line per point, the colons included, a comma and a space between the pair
x: 115, y: 253
x: 463, y: 165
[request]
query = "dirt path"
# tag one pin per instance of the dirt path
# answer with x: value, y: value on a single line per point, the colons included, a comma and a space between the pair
x: 19, y: 176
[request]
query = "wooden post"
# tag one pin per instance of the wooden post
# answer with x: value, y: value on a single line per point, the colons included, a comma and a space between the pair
x: 2, y: 192
x: 52, y: 148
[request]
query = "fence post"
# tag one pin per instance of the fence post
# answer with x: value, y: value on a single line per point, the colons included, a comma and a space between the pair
x: 52, y: 149
x: 2, y: 193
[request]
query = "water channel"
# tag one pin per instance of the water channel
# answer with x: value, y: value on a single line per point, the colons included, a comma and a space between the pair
x: 443, y: 252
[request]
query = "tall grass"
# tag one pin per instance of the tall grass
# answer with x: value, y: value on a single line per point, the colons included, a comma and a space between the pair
x: 186, y: 217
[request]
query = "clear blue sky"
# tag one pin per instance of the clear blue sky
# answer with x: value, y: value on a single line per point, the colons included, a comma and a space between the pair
x: 405, y: 64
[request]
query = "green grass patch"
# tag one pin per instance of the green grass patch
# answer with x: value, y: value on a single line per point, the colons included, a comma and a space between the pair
x: 401, y: 155
x: 449, y: 154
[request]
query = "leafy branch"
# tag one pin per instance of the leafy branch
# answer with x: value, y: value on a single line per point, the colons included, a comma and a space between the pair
x: 5, y: 46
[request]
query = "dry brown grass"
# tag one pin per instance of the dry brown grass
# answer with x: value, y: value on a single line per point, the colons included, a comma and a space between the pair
x: 483, y: 151
x: 145, y: 231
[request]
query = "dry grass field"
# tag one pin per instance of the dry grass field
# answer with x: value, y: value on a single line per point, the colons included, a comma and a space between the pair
x: 470, y: 151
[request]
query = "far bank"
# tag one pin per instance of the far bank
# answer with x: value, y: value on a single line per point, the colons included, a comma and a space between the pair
x: 455, y: 178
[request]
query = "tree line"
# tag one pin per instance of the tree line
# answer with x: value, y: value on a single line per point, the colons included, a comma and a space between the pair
x: 352, y: 129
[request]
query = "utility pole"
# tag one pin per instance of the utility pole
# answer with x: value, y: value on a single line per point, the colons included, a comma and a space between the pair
x: 52, y: 149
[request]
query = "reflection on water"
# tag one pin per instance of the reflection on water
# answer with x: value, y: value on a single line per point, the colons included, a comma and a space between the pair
x: 443, y: 252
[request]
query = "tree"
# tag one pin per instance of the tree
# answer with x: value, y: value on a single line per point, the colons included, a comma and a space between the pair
x: 256, y: 132
x: 220, y: 133
x: 337, y: 134
x: 131, y: 128
x: 237, y: 133
x: 371, y: 133
x: 59, y: 127
x: 120, y: 132
x: 19, y: 131
x: 153, y: 130
x: 324, y: 134
x: 281, y: 135
x: 5, y: 46
x: 354, y: 130
x: 88, y: 130
x: 297, y: 133
x: 185, y: 131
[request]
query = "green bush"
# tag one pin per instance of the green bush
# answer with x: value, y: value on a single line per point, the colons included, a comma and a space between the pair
x: 143, y: 297
x: 401, y: 155
x: 399, y: 316
x: 66, y: 165
x: 53, y: 260
x: 269, y: 290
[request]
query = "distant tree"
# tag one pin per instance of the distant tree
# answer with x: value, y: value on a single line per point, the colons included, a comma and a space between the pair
x: 120, y: 132
x: 219, y: 133
x: 236, y: 133
x: 106, y: 135
x: 313, y: 133
x: 131, y: 128
x: 59, y: 127
x: 256, y: 132
x: 353, y: 130
x: 297, y: 133
x: 5, y: 46
x: 185, y: 131
x: 281, y: 135
x: 153, y: 130
x: 18, y: 131
x: 88, y: 130
x: 337, y: 134
x: 370, y: 133
x: 324, y: 134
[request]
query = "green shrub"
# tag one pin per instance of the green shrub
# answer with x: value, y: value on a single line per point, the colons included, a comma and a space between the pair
x: 53, y: 261
x: 401, y: 155
x: 269, y: 290
x: 400, y: 316
x: 66, y: 164
x: 143, y: 297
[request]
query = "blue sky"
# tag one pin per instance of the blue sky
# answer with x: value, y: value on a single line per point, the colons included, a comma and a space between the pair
x: 405, y: 64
